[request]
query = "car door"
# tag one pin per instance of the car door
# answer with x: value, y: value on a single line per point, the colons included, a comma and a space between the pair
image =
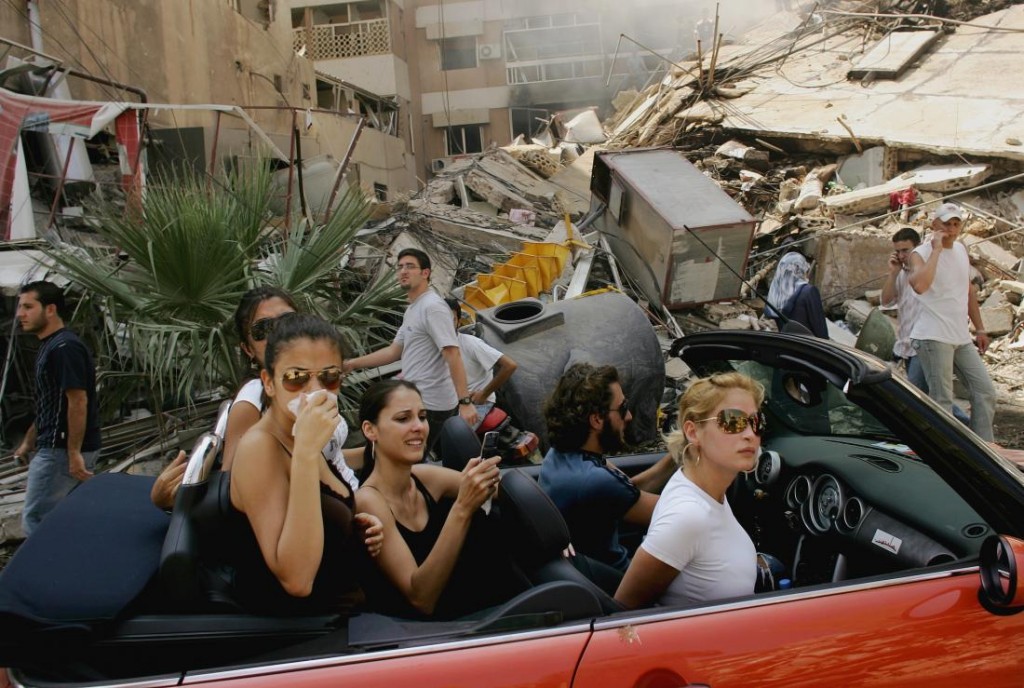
x: 534, y: 659
x: 922, y: 630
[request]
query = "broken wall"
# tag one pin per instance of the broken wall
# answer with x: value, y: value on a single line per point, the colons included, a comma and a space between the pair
x: 848, y: 263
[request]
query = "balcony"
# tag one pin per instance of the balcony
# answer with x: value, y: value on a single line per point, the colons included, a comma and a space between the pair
x: 340, y: 41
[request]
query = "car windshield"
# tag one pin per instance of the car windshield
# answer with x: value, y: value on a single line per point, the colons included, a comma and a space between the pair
x: 810, y: 404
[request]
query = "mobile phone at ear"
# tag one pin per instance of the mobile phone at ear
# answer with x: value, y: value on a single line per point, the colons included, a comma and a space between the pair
x: 489, y: 446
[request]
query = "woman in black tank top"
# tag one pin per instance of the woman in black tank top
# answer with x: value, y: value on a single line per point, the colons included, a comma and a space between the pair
x: 295, y: 548
x: 440, y: 558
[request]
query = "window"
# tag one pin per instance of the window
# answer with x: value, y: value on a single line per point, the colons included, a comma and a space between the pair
x: 458, y: 53
x: 528, y: 121
x: 465, y: 139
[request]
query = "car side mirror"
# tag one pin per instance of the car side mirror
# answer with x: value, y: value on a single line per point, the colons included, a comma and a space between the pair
x: 1002, y: 588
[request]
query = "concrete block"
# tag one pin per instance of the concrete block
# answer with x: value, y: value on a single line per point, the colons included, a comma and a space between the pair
x: 848, y: 264
x: 740, y: 323
x: 857, y: 313
x: 873, y: 296
x: 998, y: 319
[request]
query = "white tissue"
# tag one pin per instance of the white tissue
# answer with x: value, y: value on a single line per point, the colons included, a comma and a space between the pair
x: 295, y: 404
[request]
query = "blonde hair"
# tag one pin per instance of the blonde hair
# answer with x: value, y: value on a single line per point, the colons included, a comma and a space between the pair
x: 701, y: 398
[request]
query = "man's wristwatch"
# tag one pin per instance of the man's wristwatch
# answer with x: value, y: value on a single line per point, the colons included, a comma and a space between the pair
x: 465, y: 401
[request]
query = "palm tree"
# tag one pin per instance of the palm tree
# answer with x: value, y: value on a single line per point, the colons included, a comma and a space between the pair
x: 166, y: 292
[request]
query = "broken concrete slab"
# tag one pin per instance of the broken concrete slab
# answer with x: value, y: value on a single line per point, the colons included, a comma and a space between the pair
x: 890, y: 57
x: 991, y: 253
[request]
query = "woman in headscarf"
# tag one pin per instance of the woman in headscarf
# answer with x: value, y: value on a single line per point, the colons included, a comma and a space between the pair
x: 794, y: 297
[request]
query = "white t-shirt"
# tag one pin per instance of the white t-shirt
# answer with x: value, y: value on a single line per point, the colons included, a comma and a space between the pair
x: 427, y: 328
x: 479, y: 358
x: 694, y: 534
x: 909, y: 310
x: 943, y: 317
x: 252, y: 393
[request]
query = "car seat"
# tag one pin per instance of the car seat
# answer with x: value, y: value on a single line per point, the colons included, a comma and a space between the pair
x: 193, y: 571
x: 458, y: 443
x: 538, y: 535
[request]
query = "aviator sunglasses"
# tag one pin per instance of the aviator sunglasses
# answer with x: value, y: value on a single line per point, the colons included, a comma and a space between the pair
x: 295, y: 379
x: 734, y: 421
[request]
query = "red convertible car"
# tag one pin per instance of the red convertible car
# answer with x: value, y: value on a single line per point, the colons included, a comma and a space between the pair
x: 897, y: 529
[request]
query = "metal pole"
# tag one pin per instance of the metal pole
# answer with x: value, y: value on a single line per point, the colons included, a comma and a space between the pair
x: 213, y: 148
x: 342, y: 167
x: 60, y: 182
x: 291, y: 176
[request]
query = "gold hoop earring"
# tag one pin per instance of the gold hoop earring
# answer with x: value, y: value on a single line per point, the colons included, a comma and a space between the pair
x: 686, y: 451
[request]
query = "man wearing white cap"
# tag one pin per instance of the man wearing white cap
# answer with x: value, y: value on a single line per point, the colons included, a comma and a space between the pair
x: 940, y: 274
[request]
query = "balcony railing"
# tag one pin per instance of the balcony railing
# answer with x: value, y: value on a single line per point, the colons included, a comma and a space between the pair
x: 338, y: 41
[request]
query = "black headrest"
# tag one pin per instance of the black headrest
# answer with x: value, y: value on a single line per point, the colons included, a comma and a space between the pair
x: 537, y: 530
x: 458, y: 443
x: 199, y: 510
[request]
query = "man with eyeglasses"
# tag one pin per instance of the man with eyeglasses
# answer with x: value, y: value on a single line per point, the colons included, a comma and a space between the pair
x: 897, y: 292
x: 428, y: 346
x: 587, y: 415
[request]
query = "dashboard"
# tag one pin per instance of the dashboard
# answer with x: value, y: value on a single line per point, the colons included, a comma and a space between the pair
x: 836, y: 508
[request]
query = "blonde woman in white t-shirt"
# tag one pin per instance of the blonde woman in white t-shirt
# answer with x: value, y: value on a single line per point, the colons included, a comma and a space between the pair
x: 695, y: 549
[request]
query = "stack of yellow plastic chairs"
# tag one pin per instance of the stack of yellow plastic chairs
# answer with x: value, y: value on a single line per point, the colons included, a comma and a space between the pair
x: 529, y: 272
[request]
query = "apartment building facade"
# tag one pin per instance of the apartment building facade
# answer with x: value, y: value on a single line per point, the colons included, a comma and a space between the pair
x: 491, y: 70
x: 224, y: 52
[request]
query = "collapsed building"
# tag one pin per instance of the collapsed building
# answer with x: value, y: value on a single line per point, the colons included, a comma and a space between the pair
x: 825, y: 132
x: 820, y: 131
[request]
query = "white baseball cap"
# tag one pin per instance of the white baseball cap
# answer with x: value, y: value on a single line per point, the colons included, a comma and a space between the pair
x: 947, y: 211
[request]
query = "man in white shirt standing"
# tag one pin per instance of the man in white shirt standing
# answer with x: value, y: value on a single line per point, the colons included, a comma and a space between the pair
x: 427, y: 344
x: 897, y: 292
x: 940, y: 275
x: 480, y: 359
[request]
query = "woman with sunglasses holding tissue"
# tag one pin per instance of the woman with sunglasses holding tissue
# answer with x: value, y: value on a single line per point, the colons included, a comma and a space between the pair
x: 695, y: 549
x: 255, y: 317
x: 293, y: 509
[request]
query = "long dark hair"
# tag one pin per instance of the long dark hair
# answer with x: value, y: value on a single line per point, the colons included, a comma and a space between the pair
x: 251, y: 300
x: 375, y: 398
x: 292, y: 326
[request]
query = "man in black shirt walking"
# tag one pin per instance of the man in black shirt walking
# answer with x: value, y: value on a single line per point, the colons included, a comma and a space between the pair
x: 66, y: 431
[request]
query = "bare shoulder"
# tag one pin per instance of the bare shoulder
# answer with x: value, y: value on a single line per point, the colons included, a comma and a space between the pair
x: 439, y: 480
x: 257, y: 461
x: 371, y: 501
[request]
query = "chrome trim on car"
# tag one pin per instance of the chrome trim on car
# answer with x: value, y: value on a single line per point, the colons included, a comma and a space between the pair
x: 779, y: 598
x: 374, y: 656
x: 170, y: 680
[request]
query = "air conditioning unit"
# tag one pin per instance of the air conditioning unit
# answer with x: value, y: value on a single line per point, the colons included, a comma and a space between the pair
x: 438, y: 164
x: 489, y: 51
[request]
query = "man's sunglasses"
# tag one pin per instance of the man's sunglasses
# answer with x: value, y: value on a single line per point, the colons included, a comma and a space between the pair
x: 295, y: 379
x: 622, y: 410
x: 262, y: 328
x: 734, y: 421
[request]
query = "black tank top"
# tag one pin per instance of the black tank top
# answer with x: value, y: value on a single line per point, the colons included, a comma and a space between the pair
x: 335, y: 587
x: 483, y: 575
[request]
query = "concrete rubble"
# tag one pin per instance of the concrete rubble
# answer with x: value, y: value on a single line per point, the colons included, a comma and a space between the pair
x: 836, y: 192
x: 831, y: 170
